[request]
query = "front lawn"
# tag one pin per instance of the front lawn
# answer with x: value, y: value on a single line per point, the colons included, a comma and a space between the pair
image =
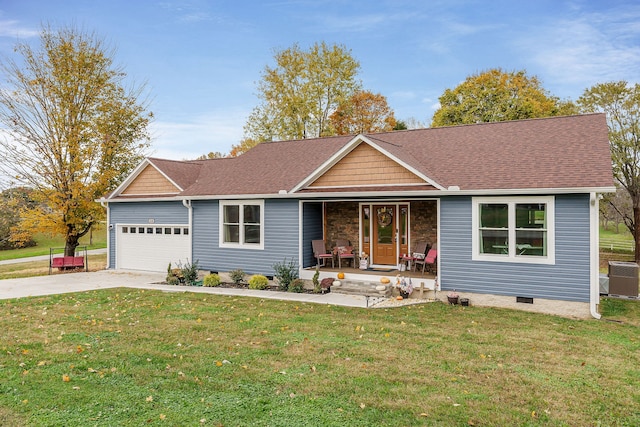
x: 134, y: 357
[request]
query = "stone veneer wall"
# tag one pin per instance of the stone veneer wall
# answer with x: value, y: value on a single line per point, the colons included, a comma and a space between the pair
x: 424, y: 222
x: 342, y: 222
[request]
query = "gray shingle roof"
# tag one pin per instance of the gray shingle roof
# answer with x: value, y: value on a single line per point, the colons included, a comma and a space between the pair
x: 569, y: 152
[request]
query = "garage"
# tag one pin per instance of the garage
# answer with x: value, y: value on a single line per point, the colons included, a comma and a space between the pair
x: 152, y: 247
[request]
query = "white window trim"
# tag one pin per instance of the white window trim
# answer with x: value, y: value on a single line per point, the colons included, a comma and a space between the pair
x: 512, y: 257
x: 241, y: 204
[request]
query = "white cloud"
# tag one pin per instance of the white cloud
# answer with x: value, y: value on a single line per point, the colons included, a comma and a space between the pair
x: 589, y: 49
x: 212, y: 131
x: 12, y: 28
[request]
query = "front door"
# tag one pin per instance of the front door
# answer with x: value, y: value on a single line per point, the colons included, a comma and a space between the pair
x: 383, y: 221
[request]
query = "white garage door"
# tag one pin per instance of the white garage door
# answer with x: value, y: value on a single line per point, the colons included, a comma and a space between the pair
x: 151, y: 247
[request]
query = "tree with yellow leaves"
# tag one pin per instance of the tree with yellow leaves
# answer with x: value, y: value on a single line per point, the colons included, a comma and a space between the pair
x: 300, y: 92
x: 496, y: 96
x: 73, y: 130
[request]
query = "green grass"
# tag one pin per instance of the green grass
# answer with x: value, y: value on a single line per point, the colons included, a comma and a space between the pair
x: 44, y: 242
x: 621, y: 242
x: 135, y: 357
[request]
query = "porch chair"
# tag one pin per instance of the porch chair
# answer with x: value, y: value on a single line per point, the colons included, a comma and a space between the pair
x: 321, y: 253
x: 429, y: 261
x: 344, y: 250
x: 419, y: 252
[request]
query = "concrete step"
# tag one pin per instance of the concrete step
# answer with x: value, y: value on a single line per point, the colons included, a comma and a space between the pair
x: 354, y: 287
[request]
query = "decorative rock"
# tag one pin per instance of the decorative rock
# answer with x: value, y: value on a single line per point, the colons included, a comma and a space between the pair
x: 381, y: 288
x: 337, y: 283
x: 384, y: 280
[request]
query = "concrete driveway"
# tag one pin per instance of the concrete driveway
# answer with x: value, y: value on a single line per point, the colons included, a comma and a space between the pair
x: 104, y: 279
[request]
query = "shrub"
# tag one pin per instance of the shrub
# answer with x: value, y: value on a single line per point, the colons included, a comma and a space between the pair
x: 237, y: 276
x: 297, y: 286
x: 211, y: 280
x: 285, y: 273
x: 173, y: 280
x: 190, y: 273
x: 316, y: 282
x: 258, y: 281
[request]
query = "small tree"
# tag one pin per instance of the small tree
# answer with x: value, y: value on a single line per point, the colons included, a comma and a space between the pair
x: 74, y: 130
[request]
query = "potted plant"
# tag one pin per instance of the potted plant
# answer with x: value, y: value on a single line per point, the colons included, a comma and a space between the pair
x: 453, y: 297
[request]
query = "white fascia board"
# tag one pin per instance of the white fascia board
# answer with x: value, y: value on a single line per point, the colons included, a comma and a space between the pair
x: 401, y: 163
x: 165, y: 175
x: 350, y: 146
x: 133, y: 175
x: 374, y: 194
x: 124, y: 184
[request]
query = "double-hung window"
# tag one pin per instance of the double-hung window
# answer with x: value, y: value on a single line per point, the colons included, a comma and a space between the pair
x: 514, y: 229
x: 241, y: 224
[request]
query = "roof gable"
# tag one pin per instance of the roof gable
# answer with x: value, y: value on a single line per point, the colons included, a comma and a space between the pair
x: 150, y: 181
x: 365, y: 166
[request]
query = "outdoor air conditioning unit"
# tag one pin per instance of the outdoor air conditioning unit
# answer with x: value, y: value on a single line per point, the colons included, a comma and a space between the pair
x: 623, y: 278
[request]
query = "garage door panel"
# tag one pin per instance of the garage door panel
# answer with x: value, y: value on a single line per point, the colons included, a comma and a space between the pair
x: 151, y: 248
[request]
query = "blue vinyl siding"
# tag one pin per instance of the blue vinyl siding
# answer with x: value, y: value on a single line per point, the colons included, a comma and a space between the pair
x: 312, y: 230
x: 568, y: 279
x: 280, y: 239
x: 141, y: 213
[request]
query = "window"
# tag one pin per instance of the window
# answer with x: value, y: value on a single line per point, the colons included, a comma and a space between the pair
x: 514, y: 229
x: 241, y: 224
x: 125, y: 229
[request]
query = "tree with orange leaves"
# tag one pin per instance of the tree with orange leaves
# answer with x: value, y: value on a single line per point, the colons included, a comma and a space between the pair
x: 363, y: 112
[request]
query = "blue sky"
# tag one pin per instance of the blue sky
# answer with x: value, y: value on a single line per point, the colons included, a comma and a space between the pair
x: 201, y: 59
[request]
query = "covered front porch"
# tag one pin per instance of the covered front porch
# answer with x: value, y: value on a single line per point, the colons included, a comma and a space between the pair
x: 378, y: 232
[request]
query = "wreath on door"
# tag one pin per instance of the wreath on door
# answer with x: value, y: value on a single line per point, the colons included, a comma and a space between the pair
x: 384, y: 217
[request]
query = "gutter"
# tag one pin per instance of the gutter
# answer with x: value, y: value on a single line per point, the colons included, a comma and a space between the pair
x: 187, y: 204
x: 594, y: 257
x: 451, y: 191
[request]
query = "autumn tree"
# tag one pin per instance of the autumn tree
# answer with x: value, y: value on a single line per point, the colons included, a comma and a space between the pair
x: 363, y: 112
x: 212, y: 155
x: 73, y: 131
x: 621, y: 102
x: 13, y: 201
x: 243, y: 146
x: 496, y: 95
x: 300, y: 92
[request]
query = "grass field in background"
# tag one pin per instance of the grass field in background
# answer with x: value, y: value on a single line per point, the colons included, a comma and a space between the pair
x: 136, y: 357
x: 98, y: 241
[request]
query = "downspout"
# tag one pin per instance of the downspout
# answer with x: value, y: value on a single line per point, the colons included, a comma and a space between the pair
x: 106, y: 206
x: 594, y: 256
x: 187, y: 204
